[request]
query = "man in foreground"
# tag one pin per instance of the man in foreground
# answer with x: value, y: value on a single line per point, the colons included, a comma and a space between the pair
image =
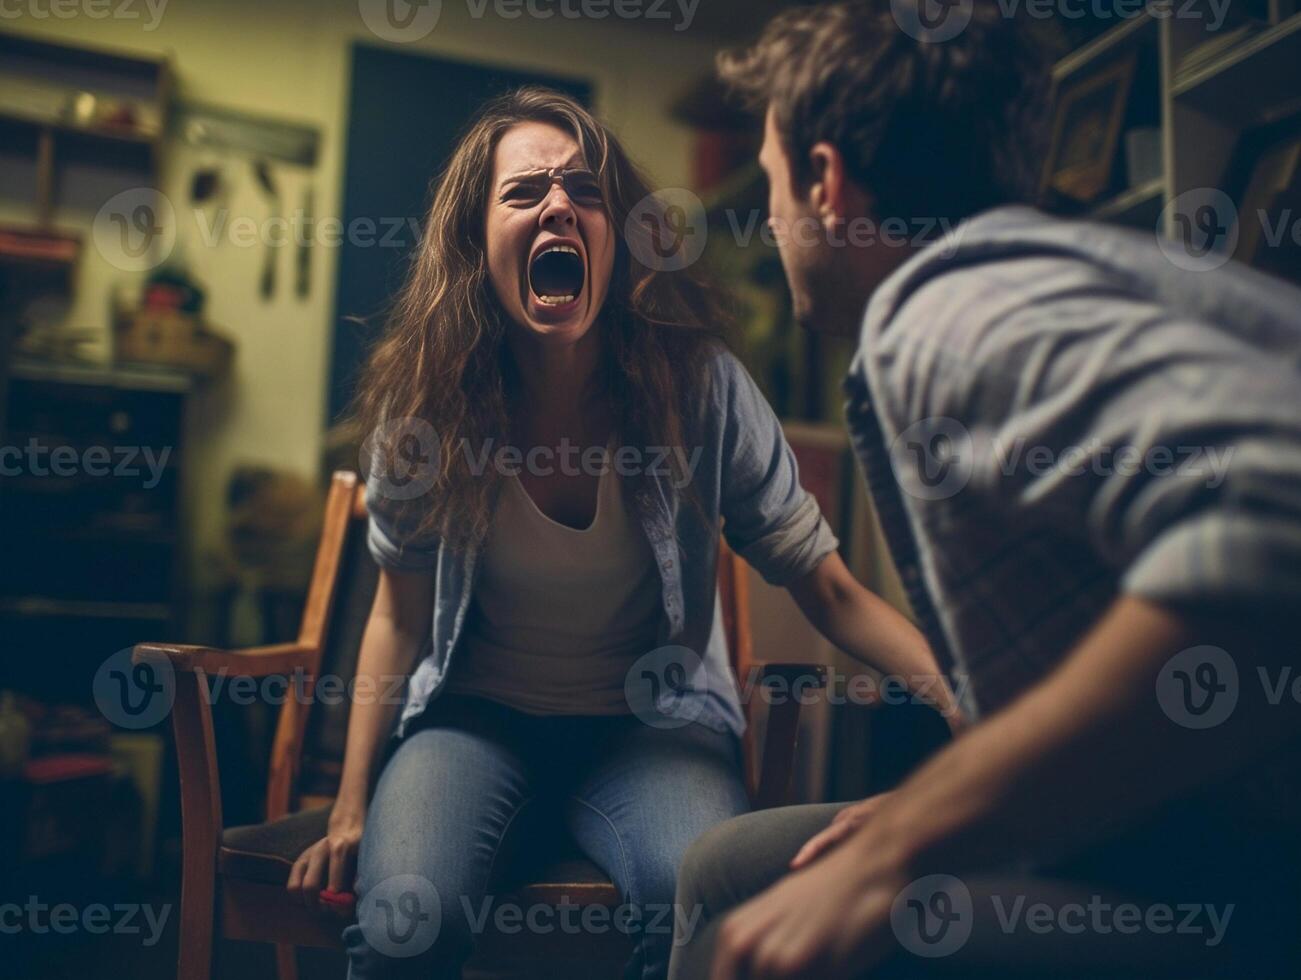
x: 1086, y: 454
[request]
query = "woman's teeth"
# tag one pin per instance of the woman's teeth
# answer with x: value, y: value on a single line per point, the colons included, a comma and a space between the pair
x: 556, y: 300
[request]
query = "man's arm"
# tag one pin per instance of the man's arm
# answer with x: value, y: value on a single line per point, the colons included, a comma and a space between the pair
x: 1026, y: 783
x: 1085, y: 750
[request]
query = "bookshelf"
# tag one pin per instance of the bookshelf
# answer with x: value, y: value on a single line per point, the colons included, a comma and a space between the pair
x: 62, y: 103
x: 1206, y: 90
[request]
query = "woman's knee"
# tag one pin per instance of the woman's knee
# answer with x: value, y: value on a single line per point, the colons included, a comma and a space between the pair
x: 407, y: 926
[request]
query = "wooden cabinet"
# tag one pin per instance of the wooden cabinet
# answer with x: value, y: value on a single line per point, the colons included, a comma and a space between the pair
x: 90, y: 519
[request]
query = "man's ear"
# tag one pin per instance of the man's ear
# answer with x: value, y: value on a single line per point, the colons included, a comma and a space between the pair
x: 832, y: 194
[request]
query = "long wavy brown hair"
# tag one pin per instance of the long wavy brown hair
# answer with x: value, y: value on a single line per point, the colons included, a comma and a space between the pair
x: 442, y: 358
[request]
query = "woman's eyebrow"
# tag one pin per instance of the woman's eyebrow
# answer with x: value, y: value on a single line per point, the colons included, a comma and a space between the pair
x: 522, y: 175
x: 582, y: 168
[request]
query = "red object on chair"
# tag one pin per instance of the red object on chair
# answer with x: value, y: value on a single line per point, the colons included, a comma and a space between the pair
x: 338, y: 900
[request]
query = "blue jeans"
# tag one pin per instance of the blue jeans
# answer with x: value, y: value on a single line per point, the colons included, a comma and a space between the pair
x: 474, y: 783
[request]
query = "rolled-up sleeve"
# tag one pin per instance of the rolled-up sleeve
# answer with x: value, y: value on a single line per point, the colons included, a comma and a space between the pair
x: 768, y: 518
x: 1169, y: 444
x: 392, y: 534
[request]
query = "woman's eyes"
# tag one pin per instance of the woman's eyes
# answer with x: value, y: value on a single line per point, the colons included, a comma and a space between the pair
x: 584, y: 191
x: 522, y: 195
x: 581, y: 190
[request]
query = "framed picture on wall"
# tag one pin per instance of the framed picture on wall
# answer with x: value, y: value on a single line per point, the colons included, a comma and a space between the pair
x: 1264, y: 179
x: 1086, y: 132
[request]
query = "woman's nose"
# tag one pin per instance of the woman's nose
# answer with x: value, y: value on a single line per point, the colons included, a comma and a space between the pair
x: 558, y: 209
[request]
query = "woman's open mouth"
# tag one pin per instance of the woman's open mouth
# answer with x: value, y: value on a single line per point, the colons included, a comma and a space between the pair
x: 556, y: 275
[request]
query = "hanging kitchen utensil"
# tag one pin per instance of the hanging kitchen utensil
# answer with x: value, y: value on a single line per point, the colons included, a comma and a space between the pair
x: 302, y: 282
x: 205, y: 184
x: 263, y: 171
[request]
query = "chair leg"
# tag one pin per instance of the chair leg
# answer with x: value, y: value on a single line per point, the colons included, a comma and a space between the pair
x: 201, y: 822
x: 286, y: 962
x: 194, y: 959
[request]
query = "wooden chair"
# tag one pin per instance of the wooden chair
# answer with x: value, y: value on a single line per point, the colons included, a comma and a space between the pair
x: 233, y: 879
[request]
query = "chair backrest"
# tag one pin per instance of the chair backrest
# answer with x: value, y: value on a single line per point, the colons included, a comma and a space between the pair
x: 308, y: 756
x: 327, y: 723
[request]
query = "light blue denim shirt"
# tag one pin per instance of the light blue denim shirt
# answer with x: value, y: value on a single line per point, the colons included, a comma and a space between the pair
x: 744, y: 476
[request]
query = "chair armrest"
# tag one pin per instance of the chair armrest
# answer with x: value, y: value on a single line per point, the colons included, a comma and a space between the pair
x: 792, y: 681
x: 279, y: 658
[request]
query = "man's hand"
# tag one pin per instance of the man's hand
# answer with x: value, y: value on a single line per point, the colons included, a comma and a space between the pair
x: 842, y: 826
x: 1086, y: 750
x: 830, y: 921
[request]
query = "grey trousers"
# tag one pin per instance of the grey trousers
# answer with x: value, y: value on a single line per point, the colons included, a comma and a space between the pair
x: 1188, y: 895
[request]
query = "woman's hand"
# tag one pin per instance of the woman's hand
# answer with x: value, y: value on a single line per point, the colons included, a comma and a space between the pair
x: 842, y: 825
x: 875, y: 634
x: 329, y: 863
x: 398, y: 625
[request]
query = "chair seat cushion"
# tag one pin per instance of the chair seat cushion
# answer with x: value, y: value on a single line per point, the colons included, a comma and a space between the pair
x: 266, y: 852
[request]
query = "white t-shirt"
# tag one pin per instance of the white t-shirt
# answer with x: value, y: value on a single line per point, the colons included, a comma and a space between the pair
x: 559, y: 614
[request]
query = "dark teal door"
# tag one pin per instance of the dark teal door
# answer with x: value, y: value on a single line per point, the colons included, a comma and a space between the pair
x: 405, y: 112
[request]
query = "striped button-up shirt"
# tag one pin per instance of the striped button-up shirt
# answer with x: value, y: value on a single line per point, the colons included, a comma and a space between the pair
x: 1051, y: 414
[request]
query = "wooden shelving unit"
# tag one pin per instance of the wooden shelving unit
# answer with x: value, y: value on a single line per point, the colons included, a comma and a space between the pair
x: 1138, y: 206
x: 1142, y: 27
x: 97, y: 555
x: 61, y: 101
x: 1265, y: 65
x: 1203, y: 106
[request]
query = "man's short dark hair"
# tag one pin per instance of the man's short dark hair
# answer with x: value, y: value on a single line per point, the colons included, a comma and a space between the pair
x: 931, y: 128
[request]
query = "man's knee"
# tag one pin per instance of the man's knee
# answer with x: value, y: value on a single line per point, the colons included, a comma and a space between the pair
x: 745, y: 855
x: 705, y: 865
x: 718, y: 869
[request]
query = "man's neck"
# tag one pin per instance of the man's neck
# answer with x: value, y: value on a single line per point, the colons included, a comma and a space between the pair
x: 870, y: 267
